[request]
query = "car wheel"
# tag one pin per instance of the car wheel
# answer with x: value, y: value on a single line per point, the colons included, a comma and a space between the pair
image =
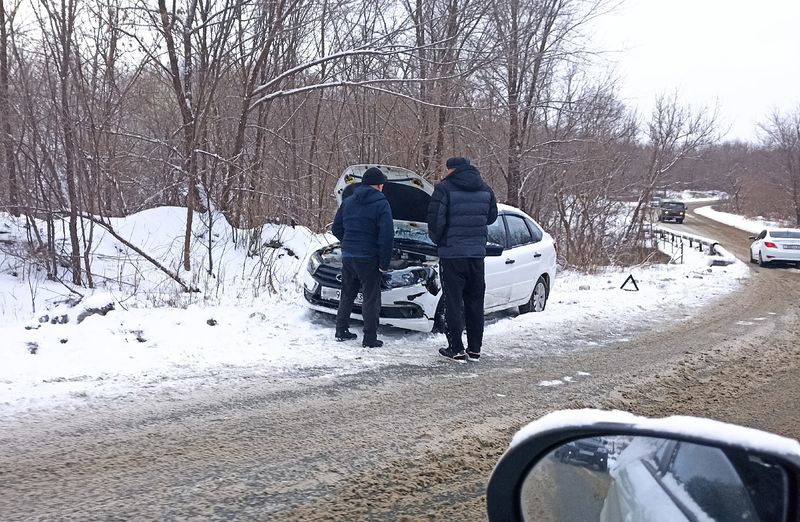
x: 679, y: 221
x: 761, y: 261
x: 538, y: 299
x: 752, y: 259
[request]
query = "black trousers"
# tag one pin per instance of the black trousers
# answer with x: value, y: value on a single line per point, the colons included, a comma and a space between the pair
x: 360, y: 274
x: 464, y: 286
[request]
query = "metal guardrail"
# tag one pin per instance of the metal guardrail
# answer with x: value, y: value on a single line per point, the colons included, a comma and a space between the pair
x: 677, y: 241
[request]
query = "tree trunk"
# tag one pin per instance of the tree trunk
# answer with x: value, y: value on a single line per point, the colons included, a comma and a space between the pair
x: 68, y: 18
x: 5, y: 113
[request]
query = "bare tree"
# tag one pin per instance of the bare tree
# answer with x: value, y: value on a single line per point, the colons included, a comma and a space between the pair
x: 58, y: 28
x: 452, y: 42
x: 782, y: 136
x: 9, y: 157
x: 537, y: 39
x: 675, y: 132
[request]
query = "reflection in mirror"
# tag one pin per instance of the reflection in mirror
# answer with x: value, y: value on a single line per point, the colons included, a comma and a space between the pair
x: 624, y: 478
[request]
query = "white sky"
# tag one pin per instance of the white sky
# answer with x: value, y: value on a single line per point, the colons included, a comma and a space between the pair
x: 740, y: 54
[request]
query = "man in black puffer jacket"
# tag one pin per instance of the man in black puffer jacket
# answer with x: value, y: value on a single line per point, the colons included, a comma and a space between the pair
x: 461, y: 208
x: 365, y: 227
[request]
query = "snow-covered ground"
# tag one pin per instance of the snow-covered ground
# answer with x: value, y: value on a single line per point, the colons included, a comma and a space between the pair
x: 158, y: 337
x: 752, y: 225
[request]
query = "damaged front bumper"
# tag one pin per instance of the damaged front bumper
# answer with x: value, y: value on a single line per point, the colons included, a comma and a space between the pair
x: 411, y: 307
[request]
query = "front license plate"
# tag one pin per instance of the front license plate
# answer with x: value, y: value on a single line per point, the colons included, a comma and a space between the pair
x: 334, y: 294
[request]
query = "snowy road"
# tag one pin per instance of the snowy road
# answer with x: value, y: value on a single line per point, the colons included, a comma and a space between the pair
x: 402, y: 442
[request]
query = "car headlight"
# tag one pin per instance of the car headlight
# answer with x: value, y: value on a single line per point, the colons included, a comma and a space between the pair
x: 400, y: 278
x: 313, y: 262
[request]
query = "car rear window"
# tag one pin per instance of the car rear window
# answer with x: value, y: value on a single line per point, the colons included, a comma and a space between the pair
x: 785, y: 234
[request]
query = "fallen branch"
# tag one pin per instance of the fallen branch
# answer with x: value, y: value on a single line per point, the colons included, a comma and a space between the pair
x: 171, y: 274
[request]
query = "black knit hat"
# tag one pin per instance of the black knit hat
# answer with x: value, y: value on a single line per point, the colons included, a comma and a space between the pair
x: 456, y: 161
x: 373, y: 176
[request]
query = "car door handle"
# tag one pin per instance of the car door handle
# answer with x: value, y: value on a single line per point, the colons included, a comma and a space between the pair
x: 510, y: 261
x: 537, y: 254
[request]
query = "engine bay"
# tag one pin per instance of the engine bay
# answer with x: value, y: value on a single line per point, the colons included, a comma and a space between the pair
x: 402, y: 258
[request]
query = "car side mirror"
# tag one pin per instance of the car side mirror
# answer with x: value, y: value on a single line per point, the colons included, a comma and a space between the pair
x: 614, y: 466
x: 752, y: 238
x: 494, y: 250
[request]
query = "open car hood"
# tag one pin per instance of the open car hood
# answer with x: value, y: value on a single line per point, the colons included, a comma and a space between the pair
x: 408, y: 193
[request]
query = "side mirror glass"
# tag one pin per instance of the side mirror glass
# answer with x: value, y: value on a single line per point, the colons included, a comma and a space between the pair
x: 616, y: 467
x: 493, y: 250
x: 622, y: 478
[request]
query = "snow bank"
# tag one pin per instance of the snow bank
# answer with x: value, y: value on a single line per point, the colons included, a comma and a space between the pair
x: 752, y: 225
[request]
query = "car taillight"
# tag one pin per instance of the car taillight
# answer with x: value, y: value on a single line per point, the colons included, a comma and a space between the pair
x: 770, y: 244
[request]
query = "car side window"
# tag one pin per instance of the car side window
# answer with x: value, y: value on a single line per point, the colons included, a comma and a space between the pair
x: 497, y: 232
x: 664, y: 454
x: 535, y: 231
x: 518, y: 232
x: 711, y: 480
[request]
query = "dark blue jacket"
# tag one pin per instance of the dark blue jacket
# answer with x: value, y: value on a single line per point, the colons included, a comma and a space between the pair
x: 461, y: 207
x: 365, y: 227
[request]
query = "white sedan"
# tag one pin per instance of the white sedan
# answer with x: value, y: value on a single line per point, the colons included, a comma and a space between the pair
x: 775, y: 244
x: 521, y: 276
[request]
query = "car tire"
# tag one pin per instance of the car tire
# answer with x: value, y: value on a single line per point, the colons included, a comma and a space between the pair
x: 679, y: 221
x: 538, y: 300
x: 761, y: 261
x: 752, y: 259
x: 602, y: 466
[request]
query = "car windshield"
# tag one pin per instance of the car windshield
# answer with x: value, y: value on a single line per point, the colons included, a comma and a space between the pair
x: 785, y: 234
x: 673, y: 205
x: 412, y: 232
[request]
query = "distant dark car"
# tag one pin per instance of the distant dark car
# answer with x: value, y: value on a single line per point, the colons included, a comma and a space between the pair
x: 672, y: 211
x: 589, y: 452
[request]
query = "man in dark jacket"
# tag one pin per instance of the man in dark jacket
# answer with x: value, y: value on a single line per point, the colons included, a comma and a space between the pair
x: 461, y: 208
x: 365, y: 227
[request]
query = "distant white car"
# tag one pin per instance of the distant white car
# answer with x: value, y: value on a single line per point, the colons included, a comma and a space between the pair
x: 520, y: 276
x: 775, y: 244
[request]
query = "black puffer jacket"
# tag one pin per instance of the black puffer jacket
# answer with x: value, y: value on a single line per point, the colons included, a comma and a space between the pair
x: 365, y: 227
x: 461, y: 207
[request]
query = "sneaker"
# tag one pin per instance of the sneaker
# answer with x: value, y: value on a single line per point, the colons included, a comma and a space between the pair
x: 377, y: 343
x: 345, y: 335
x: 474, y: 356
x: 450, y: 353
